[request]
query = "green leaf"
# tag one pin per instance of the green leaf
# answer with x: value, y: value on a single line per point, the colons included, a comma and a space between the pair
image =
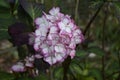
x: 4, y: 3
x: 4, y: 34
x: 6, y: 19
x: 76, y: 69
x: 96, y: 50
x: 117, y: 5
x: 5, y: 15
x: 4, y: 24
x: 33, y: 9
x: 89, y: 78
x: 57, y: 73
x: 6, y: 76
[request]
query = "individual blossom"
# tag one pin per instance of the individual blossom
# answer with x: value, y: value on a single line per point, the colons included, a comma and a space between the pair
x: 54, y: 15
x: 29, y: 61
x: 66, y: 25
x: 29, y: 64
x: 19, y: 67
x: 56, y: 36
x: 41, y: 21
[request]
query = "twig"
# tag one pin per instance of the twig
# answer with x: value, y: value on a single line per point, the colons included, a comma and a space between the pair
x: 92, y: 19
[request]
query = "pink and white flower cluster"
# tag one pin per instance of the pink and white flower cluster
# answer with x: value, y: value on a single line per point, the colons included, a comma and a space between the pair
x: 56, y: 36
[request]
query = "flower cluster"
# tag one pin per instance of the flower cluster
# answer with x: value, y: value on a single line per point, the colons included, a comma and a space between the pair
x: 56, y: 36
x: 23, y: 66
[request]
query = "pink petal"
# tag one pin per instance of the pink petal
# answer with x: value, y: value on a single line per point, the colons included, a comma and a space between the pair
x: 37, y: 46
x: 38, y: 21
x: 72, y: 54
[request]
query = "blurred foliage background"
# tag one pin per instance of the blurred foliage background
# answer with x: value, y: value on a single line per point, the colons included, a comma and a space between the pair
x: 98, y: 58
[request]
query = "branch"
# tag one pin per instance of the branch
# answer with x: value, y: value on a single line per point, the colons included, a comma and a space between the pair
x: 76, y: 10
x: 92, y: 19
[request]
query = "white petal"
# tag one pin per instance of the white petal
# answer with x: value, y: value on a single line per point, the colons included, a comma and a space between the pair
x: 65, y: 21
x: 59, y: 48
x: 58, y: 57
x: 37, y: 32
x: 54, y: 11
x: 61, y: 25
x: 42, y: 31
x: 53, y: 29
x: 37, y: 39
x: 67, y: 29
x: 78, y: 40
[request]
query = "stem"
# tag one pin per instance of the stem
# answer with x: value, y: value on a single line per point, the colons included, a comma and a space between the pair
x: 51, y: 73
x: 65, y: 65
x: 103, y: 42
x: 92, y: 19
x: 76, y: 10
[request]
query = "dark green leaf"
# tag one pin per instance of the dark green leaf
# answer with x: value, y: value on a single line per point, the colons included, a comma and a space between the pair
x: 41, y: 77
x: 96, y: 73
x: 33, y: 9
x: 57, y: 73
x: 6, y: 76
x: 4, y: 24
x: 81, y: 53
x: 4, y: 34
x: 25, y: 78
